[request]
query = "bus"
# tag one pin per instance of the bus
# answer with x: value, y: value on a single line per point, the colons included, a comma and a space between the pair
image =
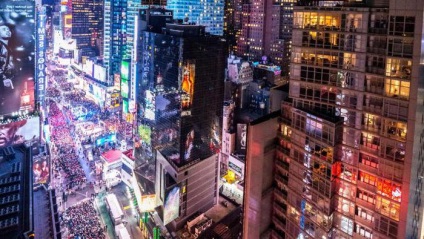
x: 114, y: 208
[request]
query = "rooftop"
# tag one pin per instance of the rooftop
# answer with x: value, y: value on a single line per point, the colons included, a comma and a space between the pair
x: 16, y: 213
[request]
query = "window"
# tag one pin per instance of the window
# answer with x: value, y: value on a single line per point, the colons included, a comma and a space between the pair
x: 367, y: 178
x: 368, y: 161
x: 402, y: 26
x: 388, y: 208
x: 387, y: 227
x: 400, y: 47
x: 366, y: 196
x: 364, y: 214
x: 363, y: 231
x: 397, y: 89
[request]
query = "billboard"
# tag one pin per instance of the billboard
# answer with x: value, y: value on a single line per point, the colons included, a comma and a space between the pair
x: 187, y: 86
x: 171, y: 205
x: 125, y: 69
x: 241, y: 138
x: 17, y: 47
x: 100, y: 73
x: 149, y: 112
x: 40, y: 170
x: 19, y: 131
x: 40, y: 70
x: 145, y: 133
x: 148, y: 203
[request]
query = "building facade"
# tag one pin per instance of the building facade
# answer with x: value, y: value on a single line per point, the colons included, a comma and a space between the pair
x: 266, y: 31
x: 115, y: 34
x: 345, y: 165
x: 209, y: 13
x: 87, y: 25
x: 179, y: 101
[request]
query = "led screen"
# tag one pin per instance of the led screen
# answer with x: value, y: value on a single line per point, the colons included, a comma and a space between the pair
x: 171, y: 205
x: 19, y: 131
x: 125, y: 69
x: 40, y: 170
x: 145, y: 133
x: 187, y: 86
x: 17, y: 46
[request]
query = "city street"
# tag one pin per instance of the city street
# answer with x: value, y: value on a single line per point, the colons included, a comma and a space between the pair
x: 70, y: 149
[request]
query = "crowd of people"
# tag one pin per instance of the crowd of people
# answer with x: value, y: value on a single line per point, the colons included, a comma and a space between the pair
x: 65, y: 158
x: 82, y: 221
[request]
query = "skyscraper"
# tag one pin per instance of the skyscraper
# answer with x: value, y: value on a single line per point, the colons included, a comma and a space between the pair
x: 346, y: 166
x: 115, y: 34
x: 87, y: 25
x: 179, y: 102
x: 209, y: 13
x: 266, y: 31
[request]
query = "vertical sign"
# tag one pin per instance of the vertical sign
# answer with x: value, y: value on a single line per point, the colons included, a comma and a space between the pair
x: 40, y: 70
x: 241, y: 138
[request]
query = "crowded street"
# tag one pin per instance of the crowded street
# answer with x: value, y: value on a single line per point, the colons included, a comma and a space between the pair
x: 76, y: 123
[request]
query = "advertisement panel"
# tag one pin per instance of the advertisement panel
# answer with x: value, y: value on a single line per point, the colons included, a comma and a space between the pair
x: 99, y: 73
x: 125, y: 69
x: 167, y: 113
x: 145, y: 133
x: 171, y: 205
x: 40, y: 71
x: 40, y: 170
x: 241, y: 138
x: 187, y: 86
x: 148, y: 203
x: 149, y: 112
x: 17, y: 47
x: 19, y: 131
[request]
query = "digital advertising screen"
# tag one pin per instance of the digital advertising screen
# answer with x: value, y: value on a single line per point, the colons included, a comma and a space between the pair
x: 241, y: 138
x: 149, y: 112
x: 40, y: 170
x: 148, y: 203
x: 19, y: 132
x: 99, y: 73
x: 171, y: 205
x: 17, y: 47
x: 145, y: 133
x: 187, y: 86
x: 125, y: 70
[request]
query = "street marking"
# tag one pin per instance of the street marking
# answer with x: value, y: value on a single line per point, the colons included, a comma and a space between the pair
x: 127, y: 207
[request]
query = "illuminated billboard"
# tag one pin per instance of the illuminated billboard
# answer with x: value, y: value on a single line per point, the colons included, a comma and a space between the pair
x: 148, y: 203
x: 145, y: 133
x: 149, y: 112
x: 125, y: 70
x: 187, y: 86
x: 19, y: 131
x: 40, y: 71
x: 100, y: 73
x: 17, y: 45
x: 40, y: 170
x: 241, y: 138
x: 171, y: 205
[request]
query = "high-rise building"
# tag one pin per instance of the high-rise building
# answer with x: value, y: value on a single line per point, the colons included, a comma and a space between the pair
x: 179, y: 101
x: 87, y: 25
x: 209, y: 13
x: 347, y: 164
x: 133, y: 8
x: 252, y: 104
x: 115, y: 34
x: 232, y: 22
x: 266, y: 31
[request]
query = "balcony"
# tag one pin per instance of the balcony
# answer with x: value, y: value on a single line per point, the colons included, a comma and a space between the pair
x: 281, y: 179
x: 282, y: 165
x: 364, y: 221
x: 366, y: 186
x: 365, y: 204
x: 367, y: 168
x: 279, y: 222
x: 286, y: 151
x: 276, y: 235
